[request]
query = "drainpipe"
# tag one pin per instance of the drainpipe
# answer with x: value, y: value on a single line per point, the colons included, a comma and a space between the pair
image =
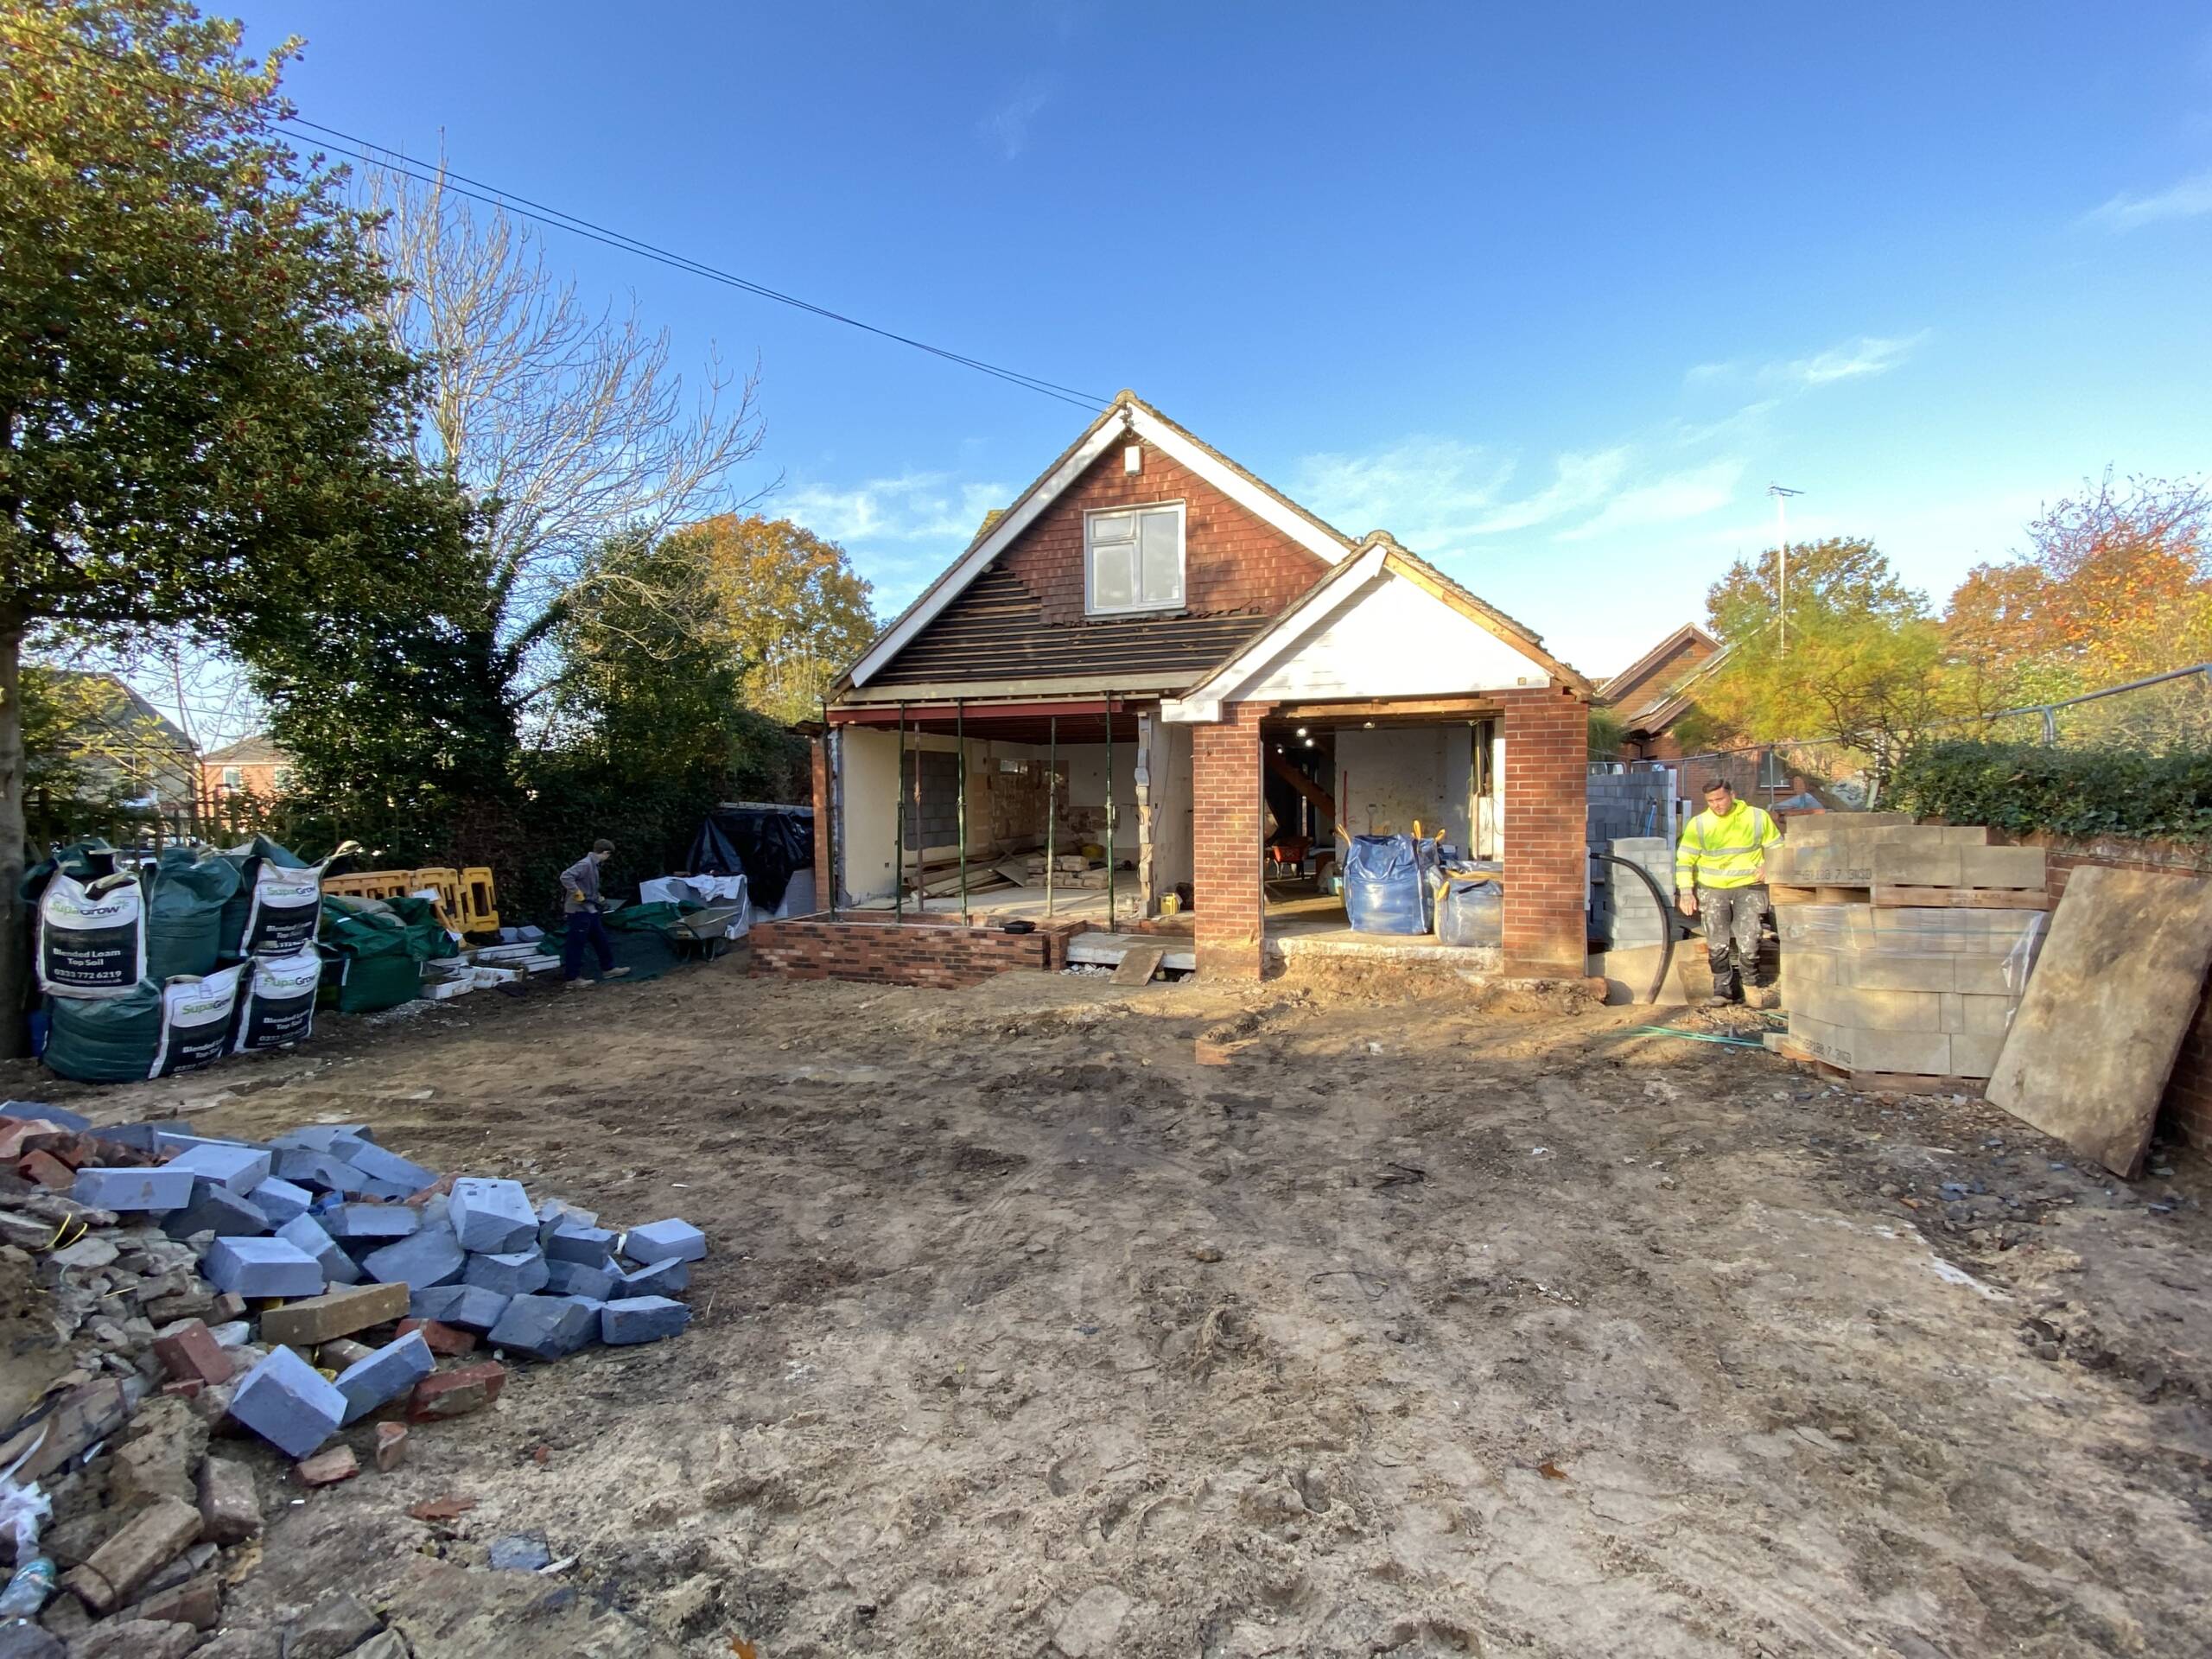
x: 960, y: 737
x: 899, y: 828
x: 1109, y: 811
x: 1051, y: 803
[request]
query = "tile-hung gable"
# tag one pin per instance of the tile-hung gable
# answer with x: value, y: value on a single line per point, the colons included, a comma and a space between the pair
x: 1137, y: 567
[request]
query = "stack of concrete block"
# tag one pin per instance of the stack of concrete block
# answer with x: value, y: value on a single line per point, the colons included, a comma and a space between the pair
x: 1914, y: 956
x: 1628, y: 805
x: 1621, y: 910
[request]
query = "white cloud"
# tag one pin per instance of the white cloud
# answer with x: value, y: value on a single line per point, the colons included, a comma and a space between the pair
x: 1008, y: 125
x: 2189, y: 199
x: 914, y: 507
x: 1861, y: 357
x: 1437, y: 494
x: 1688, y: 494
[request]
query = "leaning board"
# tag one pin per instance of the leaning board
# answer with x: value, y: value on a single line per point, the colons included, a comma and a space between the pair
x: 2106, y: 1009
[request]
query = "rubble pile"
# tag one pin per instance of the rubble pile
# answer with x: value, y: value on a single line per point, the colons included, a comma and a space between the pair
x: 317, y: 1293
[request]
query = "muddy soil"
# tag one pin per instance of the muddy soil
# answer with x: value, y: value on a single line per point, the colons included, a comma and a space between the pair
x: 1434, y: 1322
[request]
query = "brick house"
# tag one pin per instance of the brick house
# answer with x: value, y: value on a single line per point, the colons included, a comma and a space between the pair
x: 252, y: 766
x: 1152, y: 653
x: 1654, y: 694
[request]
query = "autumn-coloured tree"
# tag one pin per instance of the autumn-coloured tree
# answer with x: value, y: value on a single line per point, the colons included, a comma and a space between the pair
x: 795, y: 610
x: 2116, y: 585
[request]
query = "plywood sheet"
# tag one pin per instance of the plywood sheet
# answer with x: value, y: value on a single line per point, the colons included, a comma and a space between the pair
x: 1139, y: 964
x: 2111, y: 997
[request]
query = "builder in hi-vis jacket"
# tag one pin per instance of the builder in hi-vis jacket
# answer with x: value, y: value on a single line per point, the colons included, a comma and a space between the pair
x: 1721, y: 875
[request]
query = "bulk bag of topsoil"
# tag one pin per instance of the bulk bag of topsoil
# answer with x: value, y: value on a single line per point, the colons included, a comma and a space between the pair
x: 92, y: 923
x: 195, y: 1024
x: 277, y: 1002
x: 106, y: 1039
x: 277, y: 906
x: 377, y: 947
x: 184, y: 917
x: 1386, y: 884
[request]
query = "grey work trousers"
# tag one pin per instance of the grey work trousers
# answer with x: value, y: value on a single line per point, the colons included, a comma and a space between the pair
x: 1731, y: 918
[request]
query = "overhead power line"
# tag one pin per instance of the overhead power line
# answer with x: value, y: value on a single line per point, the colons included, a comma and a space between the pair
x: 492, y: 195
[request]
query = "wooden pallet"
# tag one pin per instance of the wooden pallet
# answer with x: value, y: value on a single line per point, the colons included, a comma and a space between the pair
x: 1963, y: 897
x: 1781, y: 896
x: 1890, y: 1082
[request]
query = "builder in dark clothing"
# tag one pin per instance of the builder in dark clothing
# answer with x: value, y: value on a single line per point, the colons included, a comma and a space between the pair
x: 580, y: 900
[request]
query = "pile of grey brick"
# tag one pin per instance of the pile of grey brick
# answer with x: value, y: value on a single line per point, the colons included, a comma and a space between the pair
x: 317, y: 1289
x: 1622, y: 912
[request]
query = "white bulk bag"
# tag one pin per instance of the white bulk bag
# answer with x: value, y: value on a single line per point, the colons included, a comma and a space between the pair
x: 277, y: 1003
x: 196, y: 1010
x: 283, y: 910
x: 91, y: 935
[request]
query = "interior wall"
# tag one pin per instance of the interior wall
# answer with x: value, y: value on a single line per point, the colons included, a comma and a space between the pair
x: 1169, y: 780
x: 1392, y: 777
x: 1084, y: 814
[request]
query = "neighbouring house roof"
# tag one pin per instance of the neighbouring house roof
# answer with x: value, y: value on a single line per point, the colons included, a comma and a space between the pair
x: 1377, y: 556
x: 1648, y: 703
x: 259, y: 750
x: 1128, y: 416
x: 135, y: 714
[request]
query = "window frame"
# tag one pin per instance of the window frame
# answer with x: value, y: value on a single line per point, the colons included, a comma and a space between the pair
x: 1135, y: 510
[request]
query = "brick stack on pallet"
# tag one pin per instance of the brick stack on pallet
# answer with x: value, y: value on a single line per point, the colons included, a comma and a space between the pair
x: 1905, y: 947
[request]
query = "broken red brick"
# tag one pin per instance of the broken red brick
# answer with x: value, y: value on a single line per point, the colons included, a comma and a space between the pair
x: 540, y: 1455
x: 439, y: 1188
x: 446, y: 1339
x: 442, y: 1508
x: 15, y: 1131
x: 65, y: 1146
x: 47, y: 1171
x: 391, y: 1447
x: 194, y: 1355
x: 328, y: 1468
x: 457, y: 1393
x: 187, y: 1390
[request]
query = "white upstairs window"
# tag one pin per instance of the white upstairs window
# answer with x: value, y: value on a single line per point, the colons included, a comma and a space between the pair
x: 1133, y: 559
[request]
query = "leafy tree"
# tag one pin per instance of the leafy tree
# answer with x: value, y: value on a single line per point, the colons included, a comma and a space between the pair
x: 188, y: 396
x: 2116, y: 585
x: 793, y: 607
x: 1853, y: 655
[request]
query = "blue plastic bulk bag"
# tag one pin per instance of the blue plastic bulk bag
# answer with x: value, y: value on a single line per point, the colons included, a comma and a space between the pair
x: 1470, y: 911
x: 1386, y: 884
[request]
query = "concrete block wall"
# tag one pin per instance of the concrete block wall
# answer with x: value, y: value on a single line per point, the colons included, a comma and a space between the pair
x: 1627, y: 804
x: 1621, y: 910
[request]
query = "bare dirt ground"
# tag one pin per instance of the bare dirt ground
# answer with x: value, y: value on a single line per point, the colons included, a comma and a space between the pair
x: 1432, y: 1323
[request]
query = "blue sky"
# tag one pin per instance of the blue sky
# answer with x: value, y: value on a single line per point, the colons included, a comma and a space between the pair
x: 1552, y: 298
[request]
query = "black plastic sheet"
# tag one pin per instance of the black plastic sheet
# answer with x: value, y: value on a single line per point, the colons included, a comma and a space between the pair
x: 764, y: 846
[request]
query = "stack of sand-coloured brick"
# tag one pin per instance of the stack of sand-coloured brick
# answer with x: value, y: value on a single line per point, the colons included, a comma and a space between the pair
x: 1905, y: 947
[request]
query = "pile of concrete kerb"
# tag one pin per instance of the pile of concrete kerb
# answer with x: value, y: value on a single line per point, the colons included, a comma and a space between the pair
x: 315, y: 1293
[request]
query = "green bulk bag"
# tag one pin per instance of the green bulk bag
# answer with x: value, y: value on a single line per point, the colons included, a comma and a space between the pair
x: 106, y: 1039
x: 184, y: 921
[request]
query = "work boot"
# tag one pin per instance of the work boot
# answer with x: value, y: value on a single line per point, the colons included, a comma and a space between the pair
x: 615, y: 973
x: 1725, y: 994
x: 578, y: 984
x: 1762, y: 997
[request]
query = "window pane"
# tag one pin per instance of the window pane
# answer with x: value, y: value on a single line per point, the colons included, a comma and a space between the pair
x: 1119, y: 527
x: 1163, y: 558
x: 1113, y: 576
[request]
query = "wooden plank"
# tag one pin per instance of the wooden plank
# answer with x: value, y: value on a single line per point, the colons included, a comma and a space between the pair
x: 2112, y: 995
x: 1138, y: 963
x: 1962, y: 898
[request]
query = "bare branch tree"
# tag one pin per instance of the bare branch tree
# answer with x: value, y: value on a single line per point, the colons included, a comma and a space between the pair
x: 568, y: 425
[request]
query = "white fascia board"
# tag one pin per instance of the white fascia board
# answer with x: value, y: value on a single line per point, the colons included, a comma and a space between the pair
x: 978, y: 558
x: 1345, y: 579
x: 1190, y: 711
x: 1261, y: 503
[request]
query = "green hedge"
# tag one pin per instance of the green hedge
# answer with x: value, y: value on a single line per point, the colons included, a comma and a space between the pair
x: 2086, y: 792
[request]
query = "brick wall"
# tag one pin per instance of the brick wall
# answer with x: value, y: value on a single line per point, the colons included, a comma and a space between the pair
x: 825, y: 877
x: 1232, y: 560
x: 1228, y: 902
x: 1547, y: 769
x: 2185, y: 1114
x: 941, y: 953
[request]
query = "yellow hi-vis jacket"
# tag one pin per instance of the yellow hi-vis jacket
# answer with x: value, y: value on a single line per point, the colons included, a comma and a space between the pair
x: 1726, y: 852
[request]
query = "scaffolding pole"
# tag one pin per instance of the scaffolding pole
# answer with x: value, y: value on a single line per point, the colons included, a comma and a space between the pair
x: 1109, y: 811
x: 1051, y: 802
x: 960, y: 739
x: 898, y: 829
